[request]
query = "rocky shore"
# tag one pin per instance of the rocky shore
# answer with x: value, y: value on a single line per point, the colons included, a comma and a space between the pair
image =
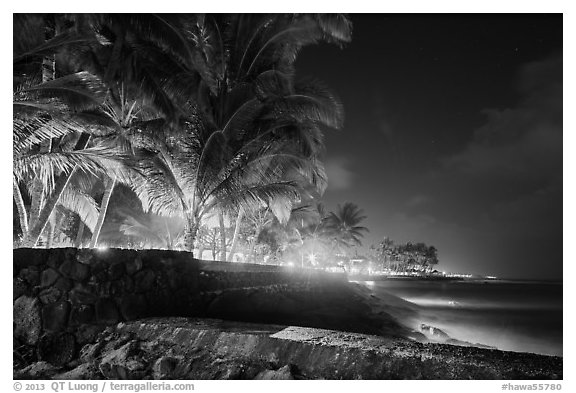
x: 181, y: 348
x: 227, y: 321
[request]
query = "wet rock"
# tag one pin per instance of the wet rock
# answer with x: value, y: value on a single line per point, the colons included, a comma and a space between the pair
x: 281, y: 373
x: 27, y: 321
x: 75, y: 270
x: 49, y: 295
x: 107, y: 312
x: 38, y: 370
x: 57, y: 349
x: 49, y: 277
x: 55, y: 316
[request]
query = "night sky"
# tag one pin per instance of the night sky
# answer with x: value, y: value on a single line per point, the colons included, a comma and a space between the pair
x: 453, y: 136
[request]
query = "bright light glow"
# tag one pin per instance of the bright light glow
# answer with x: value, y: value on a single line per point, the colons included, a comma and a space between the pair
x: 102, y: 248
x: 312, y: 258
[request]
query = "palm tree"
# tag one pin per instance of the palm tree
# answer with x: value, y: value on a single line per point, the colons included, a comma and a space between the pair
x: 344, y: 226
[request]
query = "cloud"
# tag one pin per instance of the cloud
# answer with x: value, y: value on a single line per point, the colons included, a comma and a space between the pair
x: 524, y: 141
x: 417, y: 200
x: 340, y: 177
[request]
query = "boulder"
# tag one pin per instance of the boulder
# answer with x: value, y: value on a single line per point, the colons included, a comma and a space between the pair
x: 57, y: 348
x: 19, y: 287
x: 282, y: 373
x: 55, y: 316
x: 49, y: 277
x: 75, y: 270
x: 123, y: 362
x: 31, y: 275
x: 83, y: 294
x: 49, y: 295
x: 84, y: 371
x: 38, y: 370
x: 82, y: 314
x: 27, y: 321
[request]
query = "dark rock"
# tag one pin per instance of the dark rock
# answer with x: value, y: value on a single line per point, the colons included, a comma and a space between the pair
x: 116, y: 271
x: 133, y: 265
x: 83, y: 294
x: 133, y: 306
x: 27, y: 321
x: 89, y: 352
x: 123, y: 363
x: 25, y: 257
x: 19, y: 287
x: 116, y: 288
x: 38, y: 370
x: 75, y: 270
x: 144, y: 280
x: 64, y: 284
x: 31, y: 275
x: 85, y: 371
x: 99, y: 272
x: 49, y: 277
x: 169, y: 367
x: 87, y: 333
x: 281, y: 373
x: 85, y: 256
x: 55, y: 258
x: 128, y: 284
x: 81, y: 314
x: 107, y: 312
x: 104, y: 289
x: 57, y: 349
x: 49, y: 295
x: 55, y: 316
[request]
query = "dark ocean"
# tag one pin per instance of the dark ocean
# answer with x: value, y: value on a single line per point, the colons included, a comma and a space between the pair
x: 520, y: 316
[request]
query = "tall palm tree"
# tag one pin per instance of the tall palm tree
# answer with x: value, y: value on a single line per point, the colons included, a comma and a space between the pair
x: 344, y: 226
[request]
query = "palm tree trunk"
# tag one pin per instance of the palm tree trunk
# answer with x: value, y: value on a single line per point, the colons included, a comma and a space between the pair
x: 103, y: 210
x: 22, y: 215
x: 253, y: 245
x: 170, y: 245
x: 79, y: 235
x: 35, y: 231
x: 222, y: 236
x: 37, y: 192
x: 50, y: 235
x: 190, y: 233
x: 235, y: 236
